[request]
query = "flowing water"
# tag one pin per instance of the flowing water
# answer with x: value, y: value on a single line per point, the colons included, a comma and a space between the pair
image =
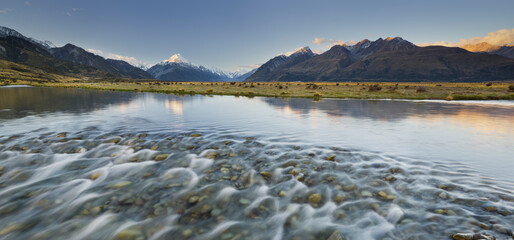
x: 85, y: 164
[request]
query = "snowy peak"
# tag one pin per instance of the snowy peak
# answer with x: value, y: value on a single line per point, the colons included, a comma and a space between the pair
x: 299, y: 52
x: 177, y: 68
x: 176, y: 58
x: 302, y: 51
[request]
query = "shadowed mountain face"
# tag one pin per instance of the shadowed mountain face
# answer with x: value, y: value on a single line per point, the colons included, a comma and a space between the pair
x: 506, y: 51
x: 119, y: 68
x: 366, y: 47
x: 274, y: 69
x: 69, y: 60
x: 428, y: 64
x: 392, y: 59
x: 337, y: 58
x: 21, y: 51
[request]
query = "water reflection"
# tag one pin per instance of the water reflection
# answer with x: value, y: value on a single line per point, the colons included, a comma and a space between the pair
x: 476, y: 134
x: 385, y: 110
x: 94, y: 164
x: 17, y: 102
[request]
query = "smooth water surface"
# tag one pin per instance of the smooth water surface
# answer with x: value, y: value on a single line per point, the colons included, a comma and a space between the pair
x: 87, y: 164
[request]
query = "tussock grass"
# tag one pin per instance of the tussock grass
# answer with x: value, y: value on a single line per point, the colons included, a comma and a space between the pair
x: 406, y: 90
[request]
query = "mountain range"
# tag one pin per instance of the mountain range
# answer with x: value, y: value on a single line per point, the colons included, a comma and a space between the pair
x: 390, y: 59
x: 71, y: 60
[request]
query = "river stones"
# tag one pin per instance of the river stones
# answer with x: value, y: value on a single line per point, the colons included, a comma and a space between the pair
x: 11, y: 228
x: 114, y: 140
x: 122, y: 184
x: 471, y: 236
x: 331, y: 158
x: 338, y: 198
x: 385, y: 196
x: 187, y: 233
x: 193, y: 199
x: 196, y: 135
x: 130, y: 234
x: 366, y: 193
x: 447, y: 212
x: 62, y: 135
x: 336, y: 235
x: 160, y: 157
x: 212, y: 155
x: 266, y: 175
x: 314, y: 199
x: 348, y: 188
x: 502, y: 229
x: 95, y: 176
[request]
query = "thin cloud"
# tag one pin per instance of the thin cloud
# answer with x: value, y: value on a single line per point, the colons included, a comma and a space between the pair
x: 246, y: 68
x: 252, y: 66
x: 27, y: 3
x: 132, y: 60
x: 69, y: 13
x: 5, y: 10
x: 499, y: 38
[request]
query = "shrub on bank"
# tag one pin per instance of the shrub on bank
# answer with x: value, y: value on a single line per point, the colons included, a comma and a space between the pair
x: 374, y: 87
x: 421, y: 89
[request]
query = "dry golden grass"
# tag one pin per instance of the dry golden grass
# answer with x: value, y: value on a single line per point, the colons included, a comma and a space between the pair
x: 385, y: 90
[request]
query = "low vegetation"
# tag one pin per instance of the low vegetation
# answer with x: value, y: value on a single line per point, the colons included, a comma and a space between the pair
x: 12, y: 73
x: 443, y: 91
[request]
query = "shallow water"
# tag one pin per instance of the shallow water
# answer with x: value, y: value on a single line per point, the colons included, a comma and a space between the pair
x: 84, y: 164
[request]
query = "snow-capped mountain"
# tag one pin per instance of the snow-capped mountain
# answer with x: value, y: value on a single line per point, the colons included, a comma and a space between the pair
x: 241, y: 76
x: 176, y: 58
x: 8, y: 32
x: 178, y: 68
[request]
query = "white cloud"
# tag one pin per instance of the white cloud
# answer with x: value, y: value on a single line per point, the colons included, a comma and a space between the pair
x: 332, y: 42
x: 68, y: 14
x: 95, y: 51
x: 318, y: 41
x: 132, y: 60
x: 500, y: 38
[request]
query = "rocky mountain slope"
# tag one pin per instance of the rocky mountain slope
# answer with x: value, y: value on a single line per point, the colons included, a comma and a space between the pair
x: 390, y: 59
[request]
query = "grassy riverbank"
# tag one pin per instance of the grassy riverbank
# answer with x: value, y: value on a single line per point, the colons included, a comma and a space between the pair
x: 382, y: 90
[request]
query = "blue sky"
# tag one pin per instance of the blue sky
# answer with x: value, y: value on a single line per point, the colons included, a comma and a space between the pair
x: 228, y: 34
